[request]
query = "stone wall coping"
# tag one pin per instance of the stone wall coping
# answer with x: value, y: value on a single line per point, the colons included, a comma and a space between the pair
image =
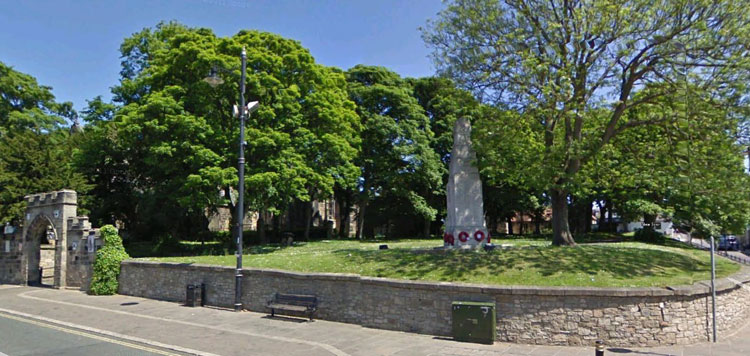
x: 698, y: 288
x: 177, y: 265
x: 64, y: 197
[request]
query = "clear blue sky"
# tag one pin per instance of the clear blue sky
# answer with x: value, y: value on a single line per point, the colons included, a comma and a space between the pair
x: 72, y: 45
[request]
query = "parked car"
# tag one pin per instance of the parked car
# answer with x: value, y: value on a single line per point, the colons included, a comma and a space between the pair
x: 729, y: 242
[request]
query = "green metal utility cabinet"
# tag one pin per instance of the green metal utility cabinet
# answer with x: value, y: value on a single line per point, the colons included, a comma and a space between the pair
x: 474, y: 322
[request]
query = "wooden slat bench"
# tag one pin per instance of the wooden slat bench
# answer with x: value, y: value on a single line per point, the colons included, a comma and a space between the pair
x: 297, y: 303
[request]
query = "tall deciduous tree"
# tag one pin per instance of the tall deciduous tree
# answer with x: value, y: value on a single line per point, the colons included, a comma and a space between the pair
x: 177, y: 140
x: 398, y: 166
x: 557, y: 61
x: 26, y: 105
x: 33, y: 162
x: 35, y: 148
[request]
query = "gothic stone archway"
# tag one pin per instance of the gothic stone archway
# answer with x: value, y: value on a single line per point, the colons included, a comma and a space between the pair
x: 42, y: 252
x: 43, y: 211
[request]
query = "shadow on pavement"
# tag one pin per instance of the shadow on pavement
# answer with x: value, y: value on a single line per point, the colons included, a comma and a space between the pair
x: 618, y: 350
x: 288, y: 319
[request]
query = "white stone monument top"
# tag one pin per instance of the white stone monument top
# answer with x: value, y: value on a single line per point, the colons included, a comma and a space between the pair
x: 464, y: 224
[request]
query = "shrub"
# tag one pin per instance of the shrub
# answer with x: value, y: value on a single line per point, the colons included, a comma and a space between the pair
x: 167, y: 245
x: 107, y: 263
x: 648, y: 235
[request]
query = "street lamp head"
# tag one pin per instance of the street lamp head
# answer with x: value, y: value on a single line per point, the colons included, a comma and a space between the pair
x: 252, y: 106
x: 213, y: 79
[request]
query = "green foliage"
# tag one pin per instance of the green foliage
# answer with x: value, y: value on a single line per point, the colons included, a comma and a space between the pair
x: 33, y: 162
x: 397, y: 164
x: 173, y: 145
x: 167, y: 245
x: 26, y: 105
x: 443, y: 103
x: 648, y: 234
x: 579, y: 74
x: 35, y: 150
x: 107, y: 263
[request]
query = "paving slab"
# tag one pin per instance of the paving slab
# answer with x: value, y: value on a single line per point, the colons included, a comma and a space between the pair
x: 217, y: 331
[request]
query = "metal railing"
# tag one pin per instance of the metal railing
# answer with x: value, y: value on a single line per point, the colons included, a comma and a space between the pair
x: 702, y: 244
x: 743, y: 260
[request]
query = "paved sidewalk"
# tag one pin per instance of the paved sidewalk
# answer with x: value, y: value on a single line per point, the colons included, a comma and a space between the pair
x: 213, y: 331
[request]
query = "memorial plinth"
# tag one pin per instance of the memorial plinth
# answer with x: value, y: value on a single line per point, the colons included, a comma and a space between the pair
x: 464, y: 225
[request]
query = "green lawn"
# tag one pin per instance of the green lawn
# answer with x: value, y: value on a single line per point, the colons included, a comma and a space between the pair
x: 528, y: 262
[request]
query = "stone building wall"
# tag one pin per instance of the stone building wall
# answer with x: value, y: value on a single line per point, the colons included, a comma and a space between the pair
x: 532, y: 315
x: 11, y: 258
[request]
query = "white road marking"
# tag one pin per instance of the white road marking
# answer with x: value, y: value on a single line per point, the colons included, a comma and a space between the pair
x: 86, y: 334
x: 326, y: 347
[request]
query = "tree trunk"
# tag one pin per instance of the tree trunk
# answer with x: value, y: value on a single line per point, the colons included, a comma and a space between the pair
x: 580, y: 215
x: 491, y: 224
x: 344, y: 213
x: 262, y: 226
x: 538, y: 221
x: 277, y: 225
x: 426, y: 229
x: 648, y: 221
x: 602, y: 214
x: 308, y: 219
x: 361, y: 221
x: 342, y: 210
x: 509, y: 222
x: 589, y: 210
x: 561, y: 235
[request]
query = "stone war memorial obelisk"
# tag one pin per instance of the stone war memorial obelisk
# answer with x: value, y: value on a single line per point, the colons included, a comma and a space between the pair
x: 464, y: 224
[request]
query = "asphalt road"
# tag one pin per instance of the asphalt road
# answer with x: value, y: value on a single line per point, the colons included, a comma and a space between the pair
x: 21, y: 337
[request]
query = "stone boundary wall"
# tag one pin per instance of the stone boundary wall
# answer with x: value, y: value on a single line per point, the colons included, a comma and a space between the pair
x: 625, y: 317
x: 11, y: 260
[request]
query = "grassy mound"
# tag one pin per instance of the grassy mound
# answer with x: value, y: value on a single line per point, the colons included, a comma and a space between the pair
x: 528, y: 262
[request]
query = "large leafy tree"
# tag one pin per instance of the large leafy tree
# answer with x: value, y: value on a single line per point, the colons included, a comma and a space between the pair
x: 26, y: 105
x: 35, y: 148
x: 398, y: 166
x: 559, y: 62
x: 33, y: 162
x: 707, y: 150
x: 173, y: 143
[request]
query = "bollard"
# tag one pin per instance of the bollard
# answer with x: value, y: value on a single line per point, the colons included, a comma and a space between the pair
x: 203, y: 294
x: 599, y: 348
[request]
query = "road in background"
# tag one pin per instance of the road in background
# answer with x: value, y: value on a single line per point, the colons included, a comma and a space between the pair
x: 739, y: 256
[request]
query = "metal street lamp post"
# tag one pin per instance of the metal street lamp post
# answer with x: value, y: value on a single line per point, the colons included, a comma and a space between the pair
x: 684, y: 49
x: 242, y: 112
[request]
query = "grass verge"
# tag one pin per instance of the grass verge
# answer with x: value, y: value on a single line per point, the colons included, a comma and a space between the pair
x: 529, y: 262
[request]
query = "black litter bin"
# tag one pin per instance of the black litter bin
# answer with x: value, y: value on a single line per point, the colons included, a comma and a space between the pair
x: 193, y: 295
